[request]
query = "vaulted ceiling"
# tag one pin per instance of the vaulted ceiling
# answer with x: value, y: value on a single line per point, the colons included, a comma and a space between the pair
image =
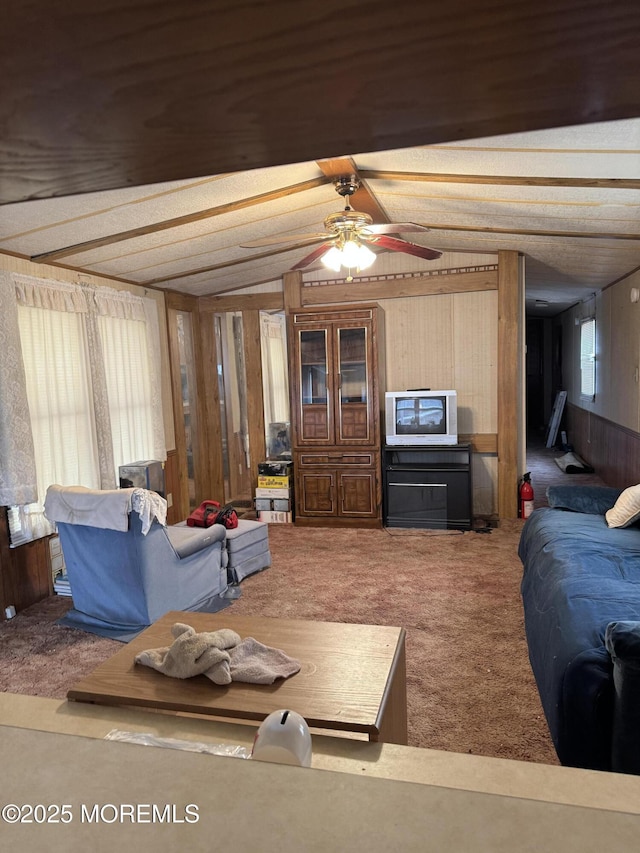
x: 153, y: 142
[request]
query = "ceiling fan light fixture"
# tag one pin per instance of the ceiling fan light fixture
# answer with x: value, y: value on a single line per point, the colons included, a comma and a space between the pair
x: 333, y: 259
x: 365, y: 257
x: 350, y: 255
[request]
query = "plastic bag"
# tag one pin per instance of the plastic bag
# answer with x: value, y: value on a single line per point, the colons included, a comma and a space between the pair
x: 146, y: 739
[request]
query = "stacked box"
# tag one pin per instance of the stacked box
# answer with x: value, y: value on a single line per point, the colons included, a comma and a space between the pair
x: 267, y: 482
x: 275, y: 517
x: 273, y: 494
x: 275, y: 468
x: 273, y: 497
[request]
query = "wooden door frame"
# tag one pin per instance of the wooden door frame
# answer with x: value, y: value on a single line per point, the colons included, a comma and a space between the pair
x: 207, y: 450
x: 249, y: 309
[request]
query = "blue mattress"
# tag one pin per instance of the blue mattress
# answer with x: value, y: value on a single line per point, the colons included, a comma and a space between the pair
x: 579, y: 575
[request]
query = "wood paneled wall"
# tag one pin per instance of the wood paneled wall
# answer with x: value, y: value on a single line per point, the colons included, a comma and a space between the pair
x: 26, y: 571
x: 451, y: 341
x: 612, y: 450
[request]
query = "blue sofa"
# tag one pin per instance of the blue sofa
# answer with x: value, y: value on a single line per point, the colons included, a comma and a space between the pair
x: 581, y: 599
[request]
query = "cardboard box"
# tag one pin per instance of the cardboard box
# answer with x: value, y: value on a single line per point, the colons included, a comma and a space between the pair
x: 275, y: 517
x: 266, y: 482
x: 273, y: 493
x: 275, y: 468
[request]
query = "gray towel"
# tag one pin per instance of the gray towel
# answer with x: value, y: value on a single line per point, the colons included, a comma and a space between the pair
x: 193, y: 654
x: 220, y: 655
x: 256, y: 663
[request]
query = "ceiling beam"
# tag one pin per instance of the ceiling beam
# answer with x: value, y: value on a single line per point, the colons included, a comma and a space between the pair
x: 247, y: 302
x: 229, y: 264
x: 178, y: 221
x: 531, y: 232
x: 502, y: 180
x: 363, y: 199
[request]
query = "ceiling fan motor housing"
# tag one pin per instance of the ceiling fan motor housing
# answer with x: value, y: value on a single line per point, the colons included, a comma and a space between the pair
x: 347, y: 221
x: 347, y: 185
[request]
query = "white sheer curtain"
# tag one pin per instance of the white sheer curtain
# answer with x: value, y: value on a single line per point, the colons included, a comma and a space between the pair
x: 91, y: 359
x: 130, y: 339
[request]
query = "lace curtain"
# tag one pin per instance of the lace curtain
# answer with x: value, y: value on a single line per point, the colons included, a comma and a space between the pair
x: 91, y: 376
x: 17, y: 461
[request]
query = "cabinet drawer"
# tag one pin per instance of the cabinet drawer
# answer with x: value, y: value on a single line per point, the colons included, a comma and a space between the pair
x: 337, y: 459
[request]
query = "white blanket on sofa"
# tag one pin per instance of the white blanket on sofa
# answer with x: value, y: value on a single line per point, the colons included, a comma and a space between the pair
x: 107, y: 508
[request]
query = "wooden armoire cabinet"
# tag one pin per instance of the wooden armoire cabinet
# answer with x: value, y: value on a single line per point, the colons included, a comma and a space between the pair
x: 337, y: 388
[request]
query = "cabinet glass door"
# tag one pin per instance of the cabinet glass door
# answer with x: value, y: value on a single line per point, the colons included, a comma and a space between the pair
x: 315, y: 386
x: 353, y: 396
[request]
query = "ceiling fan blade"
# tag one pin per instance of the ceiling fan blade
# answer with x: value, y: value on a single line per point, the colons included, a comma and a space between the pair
x: 392, y: 244
x: 311, y: 257
x: 394, y: 228
x: 283, y: 238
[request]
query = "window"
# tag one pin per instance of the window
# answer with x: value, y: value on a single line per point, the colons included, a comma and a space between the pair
x: 129, y: 389
x: 588, y: 358
x: 90, y: 359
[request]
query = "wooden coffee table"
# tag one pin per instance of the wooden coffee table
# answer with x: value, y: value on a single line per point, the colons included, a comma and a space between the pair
x: 353, y: 677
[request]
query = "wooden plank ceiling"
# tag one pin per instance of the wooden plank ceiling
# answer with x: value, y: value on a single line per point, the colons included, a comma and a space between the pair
x: 152, y: 141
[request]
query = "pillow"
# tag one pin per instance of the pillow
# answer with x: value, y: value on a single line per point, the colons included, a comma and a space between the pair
x: 626, y: 509
x: 594, y: 500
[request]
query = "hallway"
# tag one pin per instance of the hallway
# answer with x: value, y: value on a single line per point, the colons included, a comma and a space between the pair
x: 544, y: 471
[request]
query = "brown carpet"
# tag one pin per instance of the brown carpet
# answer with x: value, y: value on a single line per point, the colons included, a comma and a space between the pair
x: 470, y: 687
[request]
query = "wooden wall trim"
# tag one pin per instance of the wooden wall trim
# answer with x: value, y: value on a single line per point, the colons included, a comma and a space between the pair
x: 508, y: 379
x: 248, y: 302
x: 292, y: 290
x: 463, y: 282
x: 181, y: 301
x: 481, y: 443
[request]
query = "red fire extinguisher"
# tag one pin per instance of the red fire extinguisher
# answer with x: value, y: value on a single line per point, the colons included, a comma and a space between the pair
x: 525, y: 506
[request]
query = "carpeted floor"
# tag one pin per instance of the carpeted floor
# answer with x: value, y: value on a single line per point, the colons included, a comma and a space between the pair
x: 470, y: 687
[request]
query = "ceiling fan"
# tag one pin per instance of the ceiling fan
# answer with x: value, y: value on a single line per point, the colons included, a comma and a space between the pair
x: 348, y: 235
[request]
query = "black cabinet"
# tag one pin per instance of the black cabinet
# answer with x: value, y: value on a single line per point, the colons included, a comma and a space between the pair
x: 427, y: 487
